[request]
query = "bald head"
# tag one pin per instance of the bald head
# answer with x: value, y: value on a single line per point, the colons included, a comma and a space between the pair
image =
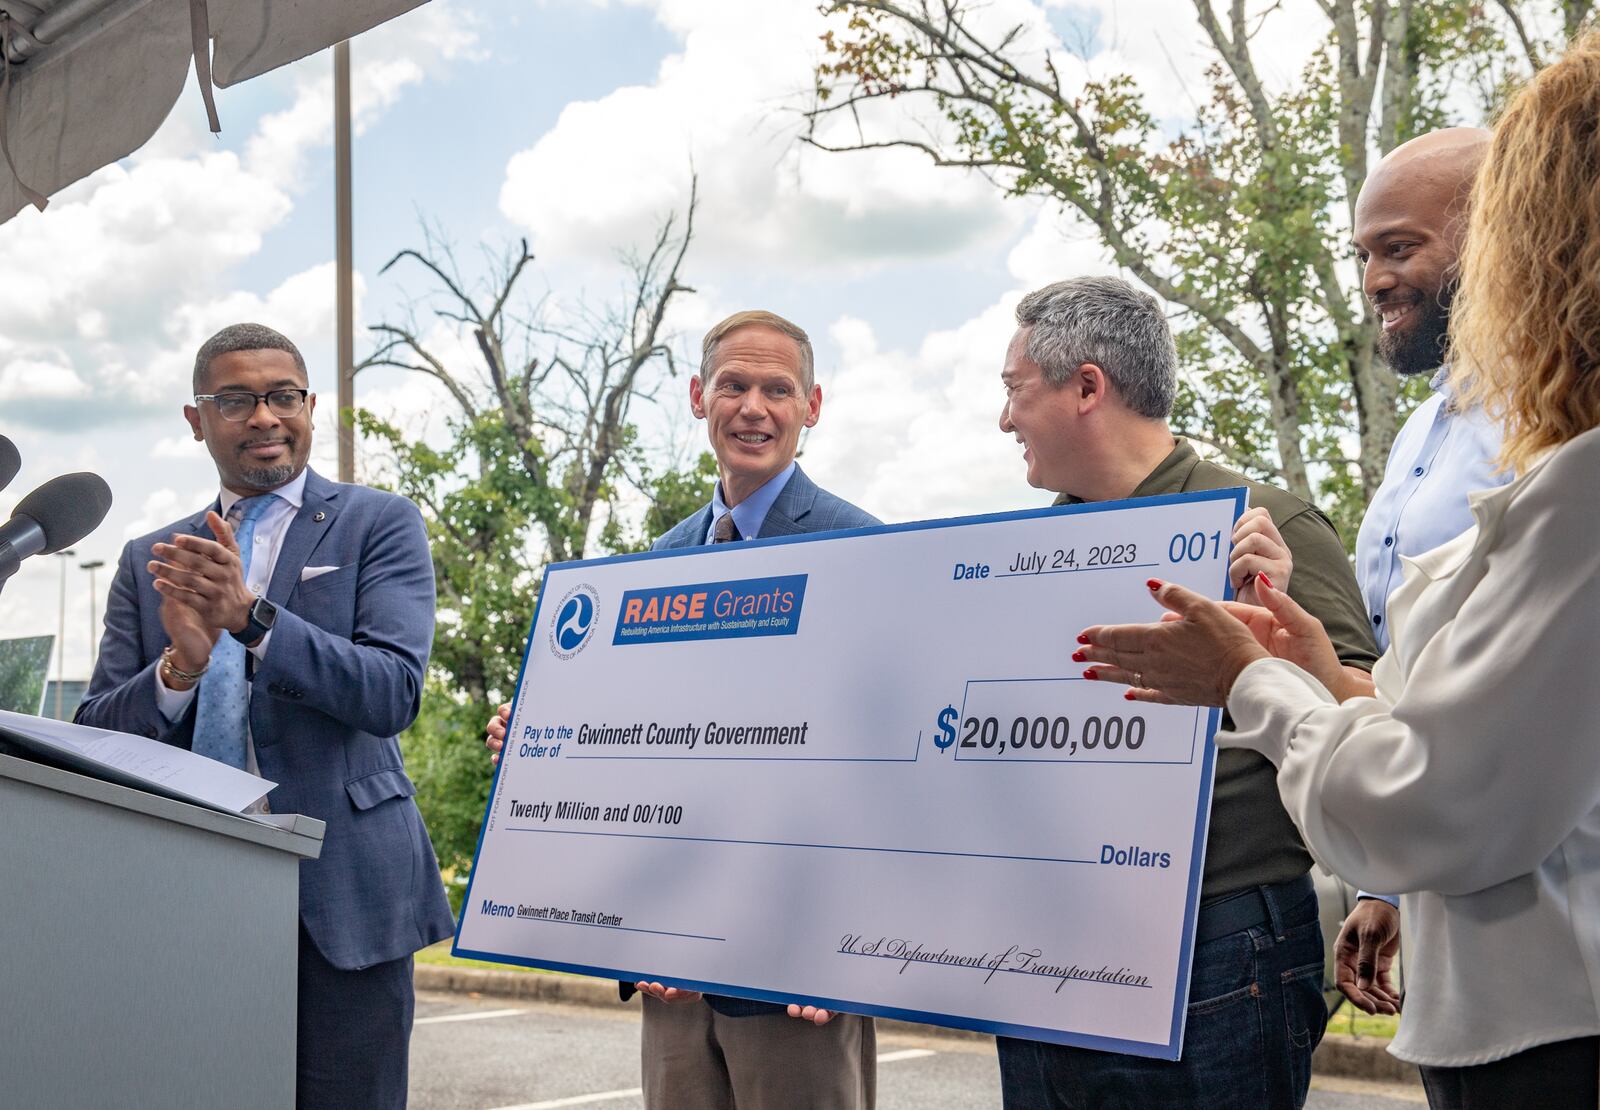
x: 1408, y: 231
x: 1433, y: 171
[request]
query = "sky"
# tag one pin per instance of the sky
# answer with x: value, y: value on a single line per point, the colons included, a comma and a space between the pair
x: 576, y: 124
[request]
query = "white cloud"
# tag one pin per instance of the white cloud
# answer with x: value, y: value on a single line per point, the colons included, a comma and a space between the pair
x: 162, y: 507
x: 384, y: 63
x: 726, y: 107
x: 109, y: 269
x: 132, y: 241
x: 301, y: 306
x: 37, y: 380
x: 1058, y: 246
x: 914, y: 435
x: 178, y: 447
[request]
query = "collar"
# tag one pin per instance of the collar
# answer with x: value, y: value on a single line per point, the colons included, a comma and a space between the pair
x: 1168, y: 476
x: 751, y: 513
x: 1171, y: 472
x: 293, y: 491
x: 1440, y: 382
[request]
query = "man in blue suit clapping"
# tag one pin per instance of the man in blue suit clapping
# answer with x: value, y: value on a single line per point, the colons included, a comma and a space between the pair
x: 285, y: 630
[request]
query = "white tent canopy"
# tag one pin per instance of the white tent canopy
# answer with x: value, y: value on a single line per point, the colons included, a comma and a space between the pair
x: 89, y: 81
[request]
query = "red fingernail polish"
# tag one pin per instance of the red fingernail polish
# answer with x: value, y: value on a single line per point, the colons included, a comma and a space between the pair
x: 1090, y: 674
x: 1083, y: 639
x: 1079, y: 657
x: 1267, y: 580
x: 1153, y: 583
x: 1127, y: 695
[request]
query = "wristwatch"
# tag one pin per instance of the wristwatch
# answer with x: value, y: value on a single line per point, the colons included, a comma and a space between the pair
x: 261, y: 618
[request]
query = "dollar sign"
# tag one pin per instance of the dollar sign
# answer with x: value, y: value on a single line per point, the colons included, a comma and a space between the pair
x: 947, y: 727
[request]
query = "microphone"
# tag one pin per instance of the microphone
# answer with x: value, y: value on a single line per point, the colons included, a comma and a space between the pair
x: 55, y: 516
x: 10, y: 462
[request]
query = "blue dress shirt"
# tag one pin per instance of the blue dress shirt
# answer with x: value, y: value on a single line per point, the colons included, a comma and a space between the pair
x: 751, y: 513
x: 1439, y: 457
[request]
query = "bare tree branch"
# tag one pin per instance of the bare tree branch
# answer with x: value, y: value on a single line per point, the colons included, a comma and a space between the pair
x: 431, y: 366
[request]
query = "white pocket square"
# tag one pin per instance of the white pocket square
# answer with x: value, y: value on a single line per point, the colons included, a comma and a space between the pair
x: 315, y: 572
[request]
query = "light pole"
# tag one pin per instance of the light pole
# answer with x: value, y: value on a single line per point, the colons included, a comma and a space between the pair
x: 344, y: 266
x: 94, y: 635
x: 61, y: 635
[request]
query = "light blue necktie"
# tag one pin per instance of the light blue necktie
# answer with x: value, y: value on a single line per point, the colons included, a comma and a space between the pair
x: 222, y: 717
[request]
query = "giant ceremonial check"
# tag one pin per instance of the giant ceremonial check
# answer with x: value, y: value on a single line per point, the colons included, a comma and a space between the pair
x: 861, y: 770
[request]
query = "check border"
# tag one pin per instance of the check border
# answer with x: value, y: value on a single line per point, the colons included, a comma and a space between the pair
x: 1239, y: 495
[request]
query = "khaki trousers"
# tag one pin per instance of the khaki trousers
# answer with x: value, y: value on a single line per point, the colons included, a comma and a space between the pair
x: 697, y: 1059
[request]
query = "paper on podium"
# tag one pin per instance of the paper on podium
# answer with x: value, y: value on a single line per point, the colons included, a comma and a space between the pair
x: 138, y: 761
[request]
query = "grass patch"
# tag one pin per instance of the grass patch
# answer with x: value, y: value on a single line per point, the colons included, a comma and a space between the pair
x: 1352, y: 1022
x: 438, y: 955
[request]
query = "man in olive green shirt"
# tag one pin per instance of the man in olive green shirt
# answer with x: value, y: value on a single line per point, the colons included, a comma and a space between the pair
x: 1090, y: 377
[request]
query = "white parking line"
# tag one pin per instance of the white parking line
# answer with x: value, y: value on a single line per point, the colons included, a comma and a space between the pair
x: 904, y: 1054
x: 635, y: 1092
x: 470, y: 1015
x: 577, y: 1100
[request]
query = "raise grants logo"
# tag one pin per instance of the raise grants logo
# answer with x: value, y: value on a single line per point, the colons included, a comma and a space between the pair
x: 575, y: 621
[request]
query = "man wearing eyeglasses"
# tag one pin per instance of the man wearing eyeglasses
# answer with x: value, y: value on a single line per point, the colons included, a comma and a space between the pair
x: 285, y: 630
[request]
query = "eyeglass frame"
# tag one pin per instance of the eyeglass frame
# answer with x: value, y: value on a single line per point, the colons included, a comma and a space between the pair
x: 260, y: 399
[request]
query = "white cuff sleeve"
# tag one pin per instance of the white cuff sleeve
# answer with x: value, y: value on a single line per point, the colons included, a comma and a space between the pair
x: 1269, y: 698
x: 172, y: 703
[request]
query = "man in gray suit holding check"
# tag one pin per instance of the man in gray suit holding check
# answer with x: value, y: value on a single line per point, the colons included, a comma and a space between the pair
x: 285, y: 631
x: 756, y: 391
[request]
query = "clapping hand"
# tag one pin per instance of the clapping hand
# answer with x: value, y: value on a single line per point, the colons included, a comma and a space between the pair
x: 206, y: 575
x: 1198, y: 649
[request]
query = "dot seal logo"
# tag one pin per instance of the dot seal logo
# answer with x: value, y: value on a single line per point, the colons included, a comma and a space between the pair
x: 575, y: 621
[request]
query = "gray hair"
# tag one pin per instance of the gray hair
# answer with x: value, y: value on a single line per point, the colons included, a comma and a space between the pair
x: 763, y: 319
x: 242, y: 337
x: 1108, y: 322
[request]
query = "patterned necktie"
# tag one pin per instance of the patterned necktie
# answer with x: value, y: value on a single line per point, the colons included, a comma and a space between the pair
x: 222, y: 717
x: 724, y: 531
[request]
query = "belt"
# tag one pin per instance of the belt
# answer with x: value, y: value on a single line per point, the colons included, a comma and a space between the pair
x: 1247, y: 908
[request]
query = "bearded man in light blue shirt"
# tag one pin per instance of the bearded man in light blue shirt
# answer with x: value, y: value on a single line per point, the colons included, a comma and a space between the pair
x: 1409, y: 223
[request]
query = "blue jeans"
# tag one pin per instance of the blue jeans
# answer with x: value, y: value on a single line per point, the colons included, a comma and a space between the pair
x: 1255, y: 1015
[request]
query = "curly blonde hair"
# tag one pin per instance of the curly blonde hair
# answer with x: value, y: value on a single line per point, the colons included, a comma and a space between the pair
x: 1526, y: 323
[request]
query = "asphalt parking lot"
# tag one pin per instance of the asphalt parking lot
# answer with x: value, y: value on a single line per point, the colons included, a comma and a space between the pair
x: 482, y: 1053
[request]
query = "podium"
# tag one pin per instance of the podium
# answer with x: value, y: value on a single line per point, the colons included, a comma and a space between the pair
x: 148, y: 948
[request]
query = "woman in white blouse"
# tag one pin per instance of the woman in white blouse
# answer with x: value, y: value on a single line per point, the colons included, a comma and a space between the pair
x: 1470, y: 774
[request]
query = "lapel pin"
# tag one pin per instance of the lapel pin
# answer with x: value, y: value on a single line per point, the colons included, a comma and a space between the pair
x: 320, y: 517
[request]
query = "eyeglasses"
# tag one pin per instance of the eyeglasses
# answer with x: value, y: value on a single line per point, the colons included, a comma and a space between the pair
x: 241, y: 405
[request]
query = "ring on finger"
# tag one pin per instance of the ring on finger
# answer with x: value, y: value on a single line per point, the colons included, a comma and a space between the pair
x: 1138, y: 678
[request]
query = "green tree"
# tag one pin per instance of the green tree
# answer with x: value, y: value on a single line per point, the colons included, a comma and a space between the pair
x: 24, y: 662
x: 540, y: 464
x: 1239, y: 220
